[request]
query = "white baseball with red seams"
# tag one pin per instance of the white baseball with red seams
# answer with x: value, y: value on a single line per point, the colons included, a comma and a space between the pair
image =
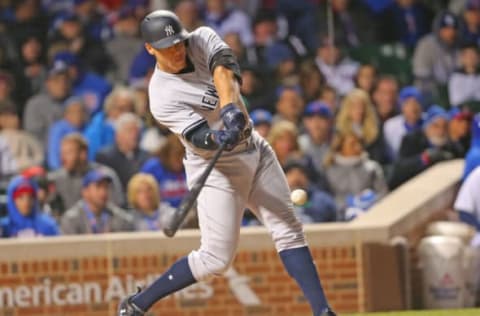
x: 299, y: 197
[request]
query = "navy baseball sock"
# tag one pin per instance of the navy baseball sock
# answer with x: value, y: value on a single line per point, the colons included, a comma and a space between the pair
x: 300, y: 266
x: 176, y: 278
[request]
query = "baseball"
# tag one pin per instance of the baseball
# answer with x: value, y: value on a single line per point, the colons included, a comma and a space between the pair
x: 298, y: 197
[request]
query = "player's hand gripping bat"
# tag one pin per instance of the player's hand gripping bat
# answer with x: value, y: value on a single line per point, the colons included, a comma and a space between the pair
x: 189, y: 200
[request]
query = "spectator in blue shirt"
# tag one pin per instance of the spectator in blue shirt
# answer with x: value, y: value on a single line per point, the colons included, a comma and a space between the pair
x: 167, y: 168
x: 74, y: 117
x: 91, y: 87
x: 25, y: 218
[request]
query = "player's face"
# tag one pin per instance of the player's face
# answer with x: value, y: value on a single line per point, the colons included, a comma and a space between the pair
x: 171, y: 59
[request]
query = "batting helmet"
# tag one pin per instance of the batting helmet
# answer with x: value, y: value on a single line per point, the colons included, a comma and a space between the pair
x: 162, y: 29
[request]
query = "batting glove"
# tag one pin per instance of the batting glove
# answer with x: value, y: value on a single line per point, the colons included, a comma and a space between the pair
x: 229, y: 137
x: 233, y: 117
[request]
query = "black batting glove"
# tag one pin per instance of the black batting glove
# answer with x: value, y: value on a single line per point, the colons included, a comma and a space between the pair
x: 233, y: 117
x: 230, y: 137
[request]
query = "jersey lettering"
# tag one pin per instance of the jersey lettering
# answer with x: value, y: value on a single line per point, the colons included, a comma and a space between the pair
x: 210, y: 99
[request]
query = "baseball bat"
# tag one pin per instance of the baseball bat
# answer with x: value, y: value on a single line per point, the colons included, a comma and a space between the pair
x: 189, y: 200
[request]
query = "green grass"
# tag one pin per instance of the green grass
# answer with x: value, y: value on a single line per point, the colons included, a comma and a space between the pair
x: 458, y: 312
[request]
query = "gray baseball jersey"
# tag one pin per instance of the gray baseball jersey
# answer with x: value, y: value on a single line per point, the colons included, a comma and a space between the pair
x: 250, y: 175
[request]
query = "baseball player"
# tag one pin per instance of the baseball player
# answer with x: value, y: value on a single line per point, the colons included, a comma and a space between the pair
x: 194, y: 91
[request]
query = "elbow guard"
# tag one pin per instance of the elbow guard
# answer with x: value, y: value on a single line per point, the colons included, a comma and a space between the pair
x: 201, y: 137
x: 226, y: 58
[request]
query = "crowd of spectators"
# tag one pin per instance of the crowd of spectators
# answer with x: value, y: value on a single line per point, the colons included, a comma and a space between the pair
x: 80, y: 152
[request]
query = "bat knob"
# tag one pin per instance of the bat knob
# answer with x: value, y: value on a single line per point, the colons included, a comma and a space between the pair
x: 169, y: 232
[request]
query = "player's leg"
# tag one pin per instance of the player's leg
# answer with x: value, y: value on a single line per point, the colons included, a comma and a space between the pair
x: 220, y: 210
x: 270, y: 201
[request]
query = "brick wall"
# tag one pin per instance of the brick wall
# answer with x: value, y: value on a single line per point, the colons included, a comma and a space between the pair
x: 91, y: 286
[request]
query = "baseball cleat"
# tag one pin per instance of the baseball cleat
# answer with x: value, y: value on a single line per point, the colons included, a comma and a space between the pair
x: 328, y: 312
x: 127, y: 308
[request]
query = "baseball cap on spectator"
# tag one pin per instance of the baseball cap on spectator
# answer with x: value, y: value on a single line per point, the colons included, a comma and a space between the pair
x: 261, y: 116
x: 24, y: 188
x: 71, y: 101
x: 457, y: 113
x: 64, y: 17
x: 282, y: 88
x: 278, y: 53
x: 317, y: 108
x: 294, y: 163
x: 472, y: 5
x: 409, y: 92
x: 58, y: 67
x: 434, y: 113
x: 448, y: 19
x: 95, y: 176
x: 67, y: 57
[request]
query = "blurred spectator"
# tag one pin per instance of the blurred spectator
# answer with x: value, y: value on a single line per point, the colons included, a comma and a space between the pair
x: 262, y: 121
x: 472, y: 158
x: 68, y: 30
x: 435, y: 56
x: 7, y: 84
x: 93, y: 214
x: 31, y: 65
x: 141, y: 67
x: 22, y: 17
x: 320, y: 206
x: 45, y: 107
x: 74, y: 118
x: 126, y: 43
x: 25, y: 218
x: 187, y: 12
x: 424, y: 148
x: 281, y: 61
x: 410, y: 120
x: 124, y: 157
x: 349, y: 171
x: 366, y: 77
x: 92, y: 19
x: 470, y: 23
x: 283, y: 138
x: 257, y: 93
x: 240, y: 52
x: 167, y: 168
x: 328, y: 95
x: 466, y: 203
x: 8, y: 166
x: 149, y: 210
x: 68, y: 179
x: 224, y: 20
x: 301, y: 16
x: 405, y: 21
x: 338, y: 70
x: 26, y: 151
x: 311, y: 80
x: 91, y: 87
x: 384, y: 97
x: 459, y: 126
x: 464, y: 83
x: 357, y: 115
x: 289, y: 104
x: 317, y: 120
x: 360, y: 203
x: 352, y: 22
x: 100, y: 131
x: 49, y: 200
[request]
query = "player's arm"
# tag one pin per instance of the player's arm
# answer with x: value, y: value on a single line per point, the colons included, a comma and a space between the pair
x: 226, y: 77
